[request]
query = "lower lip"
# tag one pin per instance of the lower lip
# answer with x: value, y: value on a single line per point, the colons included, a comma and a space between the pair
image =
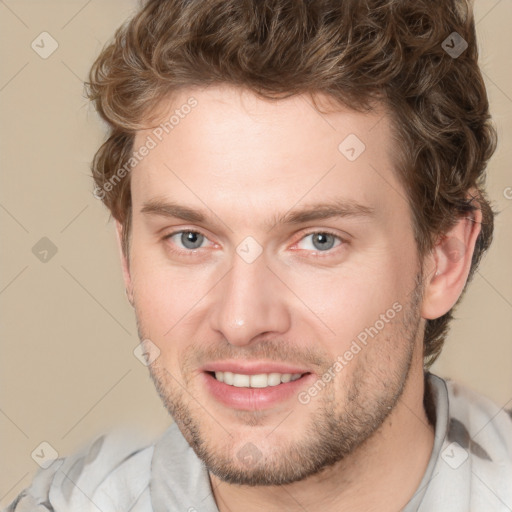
x: 254, y: 398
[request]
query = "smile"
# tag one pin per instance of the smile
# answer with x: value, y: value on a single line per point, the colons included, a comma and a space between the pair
x: 255, y: 391
x: 261, y: 380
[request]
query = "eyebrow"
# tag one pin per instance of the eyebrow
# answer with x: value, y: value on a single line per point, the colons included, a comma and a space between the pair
x: 342, y: 208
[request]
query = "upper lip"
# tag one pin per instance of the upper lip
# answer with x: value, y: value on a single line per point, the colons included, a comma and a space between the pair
x: 252, y: 368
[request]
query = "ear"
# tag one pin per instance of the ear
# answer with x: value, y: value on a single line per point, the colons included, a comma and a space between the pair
x: 450, y: 262
x: 125, y: 264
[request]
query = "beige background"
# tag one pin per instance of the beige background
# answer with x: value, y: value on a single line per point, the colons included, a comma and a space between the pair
x: 68, y: 371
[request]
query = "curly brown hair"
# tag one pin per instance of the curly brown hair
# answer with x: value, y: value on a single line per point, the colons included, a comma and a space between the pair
x: 359, y: 53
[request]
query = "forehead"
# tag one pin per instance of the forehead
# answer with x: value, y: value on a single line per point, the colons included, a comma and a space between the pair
x: 223, y: 145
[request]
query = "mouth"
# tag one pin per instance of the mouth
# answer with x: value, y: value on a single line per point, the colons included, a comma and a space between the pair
x: 261, y: 380
x: 251, y: 392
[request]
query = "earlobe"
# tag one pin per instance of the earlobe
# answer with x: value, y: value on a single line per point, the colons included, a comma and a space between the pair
x: 452, y: 257
x: 124, y: 262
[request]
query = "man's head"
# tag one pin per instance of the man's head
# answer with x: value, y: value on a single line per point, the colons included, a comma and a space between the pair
x: 293, y: 182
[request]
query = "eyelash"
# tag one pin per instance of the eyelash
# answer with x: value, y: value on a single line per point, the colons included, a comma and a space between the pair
x: 317, y: 254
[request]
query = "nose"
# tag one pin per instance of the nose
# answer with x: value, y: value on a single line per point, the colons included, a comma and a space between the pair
x: 248, y: 302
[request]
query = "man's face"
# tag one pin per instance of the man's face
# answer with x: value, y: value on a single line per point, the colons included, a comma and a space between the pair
x: 250, y: 286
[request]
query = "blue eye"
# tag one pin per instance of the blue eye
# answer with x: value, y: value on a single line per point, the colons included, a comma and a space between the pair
x: 189, y: 239
x: 186, y: 242
x: 320, y: 241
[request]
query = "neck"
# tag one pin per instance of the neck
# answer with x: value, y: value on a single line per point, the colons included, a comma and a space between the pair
x: 382, y: 474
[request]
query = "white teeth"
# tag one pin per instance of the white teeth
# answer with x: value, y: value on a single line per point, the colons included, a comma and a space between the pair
x: 261, y: 380
x: 241, y: 381
x: 258, y: 381
x: 274, y: 379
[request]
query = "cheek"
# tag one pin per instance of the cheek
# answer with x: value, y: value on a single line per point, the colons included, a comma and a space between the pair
x: 352, y: 298
x: 165, y: 302
x: 165, y: 295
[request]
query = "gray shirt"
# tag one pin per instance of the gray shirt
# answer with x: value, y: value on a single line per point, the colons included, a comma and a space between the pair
x: 470, y: 468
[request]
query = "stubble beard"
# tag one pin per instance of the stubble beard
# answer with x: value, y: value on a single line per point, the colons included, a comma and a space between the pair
x: 334, y: 430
